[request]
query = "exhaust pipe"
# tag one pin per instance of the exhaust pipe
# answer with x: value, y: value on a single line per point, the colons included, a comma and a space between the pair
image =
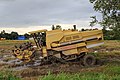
x: 74, y: 26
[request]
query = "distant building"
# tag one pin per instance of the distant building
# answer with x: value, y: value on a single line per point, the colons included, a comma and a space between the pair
x: 21, y: 38
x: 2, y: 38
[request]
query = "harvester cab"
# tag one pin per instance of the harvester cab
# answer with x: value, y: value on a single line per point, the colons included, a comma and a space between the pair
x: 39, y: 38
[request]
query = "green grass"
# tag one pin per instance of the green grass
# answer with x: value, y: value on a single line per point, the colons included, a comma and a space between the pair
x: 110, y: 72
x: 81, y: 76
x: 7, y: 75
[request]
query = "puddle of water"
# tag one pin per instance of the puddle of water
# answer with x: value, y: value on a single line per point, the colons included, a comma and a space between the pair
x: 10, y: 62
x: 37, y: 63
x: 13, y: 61
x: 16, y: 61
x: 19, y: 68
x: 2, y: 61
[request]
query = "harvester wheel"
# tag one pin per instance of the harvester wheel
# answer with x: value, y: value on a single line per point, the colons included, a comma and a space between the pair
x: 89, y: 60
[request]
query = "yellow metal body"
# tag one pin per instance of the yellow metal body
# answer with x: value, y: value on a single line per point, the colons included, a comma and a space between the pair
x: 44, y: 51
x: 70, y: 41
x: 25, y: 54
x: 32, y: 32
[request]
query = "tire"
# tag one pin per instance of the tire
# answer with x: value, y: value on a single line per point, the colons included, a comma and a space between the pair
x: 89, y: 60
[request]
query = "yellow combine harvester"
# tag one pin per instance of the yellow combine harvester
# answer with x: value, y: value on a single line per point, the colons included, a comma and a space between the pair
x: 61, y: 45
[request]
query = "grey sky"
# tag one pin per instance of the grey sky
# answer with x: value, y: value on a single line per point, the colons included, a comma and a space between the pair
x: 23, y: 13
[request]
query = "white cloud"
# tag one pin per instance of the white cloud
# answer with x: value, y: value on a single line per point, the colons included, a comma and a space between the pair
x: 20, y: 15
x: 24, y: 30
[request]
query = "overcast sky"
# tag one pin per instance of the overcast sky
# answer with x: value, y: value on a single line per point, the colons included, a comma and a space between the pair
x: 23, y: 14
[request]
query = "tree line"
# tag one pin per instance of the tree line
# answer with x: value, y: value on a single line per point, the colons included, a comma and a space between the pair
x: 110, y: 10
x: 108, y: 34
x: 13, y: 35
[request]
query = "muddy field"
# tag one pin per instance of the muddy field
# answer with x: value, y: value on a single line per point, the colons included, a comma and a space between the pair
x: 107, y: 55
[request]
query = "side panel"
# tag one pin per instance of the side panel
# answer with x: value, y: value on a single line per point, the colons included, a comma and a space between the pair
x: 44, y: 51
x: 68, y: 47
x: 91, y: 34
x: 74, y: 42
x: 71, y: 36
x: 70, y: 52
x: 53, y: 36
x: 82, y: 49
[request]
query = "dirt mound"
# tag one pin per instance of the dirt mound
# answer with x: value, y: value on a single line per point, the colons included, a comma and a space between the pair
x: 70, y: 67
x: 52, y: 68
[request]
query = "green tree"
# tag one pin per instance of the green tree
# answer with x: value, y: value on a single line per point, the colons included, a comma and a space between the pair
x: 94, y: 21
x: 27, y: 36
x: 14, y: 35
x: 3, y: 32
x: 110, y: 10
x: 7, y: 36
x: 2, y: 35
x: 57, y: 27
x: 53, y: 27
x: 82, y: 29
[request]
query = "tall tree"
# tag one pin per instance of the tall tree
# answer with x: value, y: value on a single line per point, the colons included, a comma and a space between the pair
x: 14, y: 35
x: 58, y: 27
x: 53, y: 27
x: 3, y: 34
x: 110, y: 10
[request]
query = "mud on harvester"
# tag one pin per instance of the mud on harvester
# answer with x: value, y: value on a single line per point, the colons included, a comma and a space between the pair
x: 60, y: 46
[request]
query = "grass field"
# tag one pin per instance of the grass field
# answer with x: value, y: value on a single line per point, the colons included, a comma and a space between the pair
x: 109, y: 53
